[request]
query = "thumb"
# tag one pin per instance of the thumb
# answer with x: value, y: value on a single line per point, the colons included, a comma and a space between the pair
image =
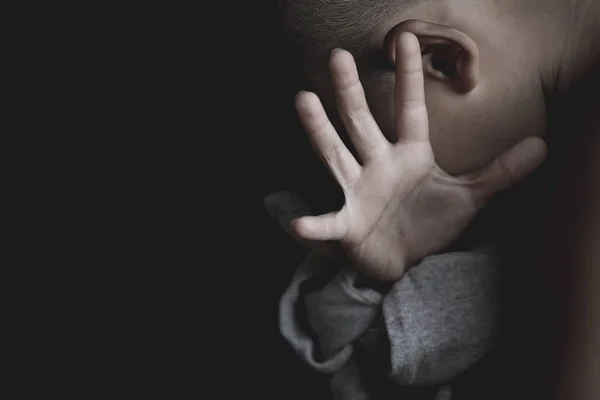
x: 509, y: 168
x: 285, y: 207
x: 288, y: 207
x: 331, y: 226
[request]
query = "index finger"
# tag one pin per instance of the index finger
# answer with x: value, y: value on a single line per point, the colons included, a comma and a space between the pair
x: 412, y: 123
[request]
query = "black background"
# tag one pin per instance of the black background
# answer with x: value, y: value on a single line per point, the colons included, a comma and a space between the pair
x: 201, y: 128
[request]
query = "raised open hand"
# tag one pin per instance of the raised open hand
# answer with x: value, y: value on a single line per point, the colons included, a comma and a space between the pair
x: 399, y: 205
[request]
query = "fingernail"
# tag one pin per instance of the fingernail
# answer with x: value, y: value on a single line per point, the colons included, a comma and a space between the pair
x: 335, y: 50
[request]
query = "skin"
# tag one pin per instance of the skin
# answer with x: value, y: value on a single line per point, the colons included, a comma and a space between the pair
x: 400, y: 206
x: 520, y: 68
x: 470, y: 129
x: 523, y: 57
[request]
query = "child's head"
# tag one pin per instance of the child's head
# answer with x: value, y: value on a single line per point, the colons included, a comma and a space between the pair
x: 488, y: 65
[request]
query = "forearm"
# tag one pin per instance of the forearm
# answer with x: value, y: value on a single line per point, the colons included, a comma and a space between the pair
x: 571, y: 258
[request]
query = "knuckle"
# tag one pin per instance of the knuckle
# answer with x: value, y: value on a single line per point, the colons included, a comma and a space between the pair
x: 323, y: 129
x: 508, y: 177
x: 414, y: 72
x: 348, y: 185
x: 412, y: 104
x: 348, y: 86
x: 334, y: 153
x: 358, y: 115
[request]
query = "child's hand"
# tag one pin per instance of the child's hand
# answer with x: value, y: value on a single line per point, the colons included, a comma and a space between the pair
x: 400, y: 206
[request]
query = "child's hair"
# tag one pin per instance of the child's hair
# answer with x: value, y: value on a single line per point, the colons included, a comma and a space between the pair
x: 315, y: 27
x: 320, y: 24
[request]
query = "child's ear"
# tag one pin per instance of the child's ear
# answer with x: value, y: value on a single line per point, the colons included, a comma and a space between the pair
x: 449, y: 55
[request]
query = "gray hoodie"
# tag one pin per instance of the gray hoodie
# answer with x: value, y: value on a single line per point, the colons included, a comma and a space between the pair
x: 403, y: 343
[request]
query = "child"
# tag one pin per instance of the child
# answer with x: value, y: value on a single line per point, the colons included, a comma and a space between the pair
x: 481, y: 63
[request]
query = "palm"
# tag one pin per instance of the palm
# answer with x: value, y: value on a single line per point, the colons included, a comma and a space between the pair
x: 396, y: 217
x: 379, y: 196
x: 400, y: 206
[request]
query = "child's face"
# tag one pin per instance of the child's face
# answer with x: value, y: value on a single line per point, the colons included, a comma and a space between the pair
x: 467, y: 129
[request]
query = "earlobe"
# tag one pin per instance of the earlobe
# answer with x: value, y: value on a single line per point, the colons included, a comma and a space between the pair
x: 449, y: 54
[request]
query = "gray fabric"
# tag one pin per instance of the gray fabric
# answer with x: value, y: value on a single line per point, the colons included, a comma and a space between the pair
x: 300, y: 340
x: 439, y: 319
